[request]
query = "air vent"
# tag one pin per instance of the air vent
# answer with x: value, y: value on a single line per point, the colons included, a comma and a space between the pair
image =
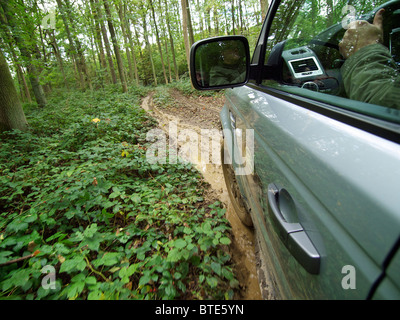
x: 296, y: 52
x: 301, y: 66
x: 305, y: 67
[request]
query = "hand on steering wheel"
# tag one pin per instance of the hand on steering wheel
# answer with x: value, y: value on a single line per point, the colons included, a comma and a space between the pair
x: 362, y: 33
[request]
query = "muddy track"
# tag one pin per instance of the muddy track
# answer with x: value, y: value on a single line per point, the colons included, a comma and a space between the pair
x: 195, y: 114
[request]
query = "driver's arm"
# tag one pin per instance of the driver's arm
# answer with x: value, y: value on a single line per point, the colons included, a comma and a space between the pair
x: 370, y: 75
x: 369, y: 72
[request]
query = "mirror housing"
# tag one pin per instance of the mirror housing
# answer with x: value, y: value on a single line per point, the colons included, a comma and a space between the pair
x: 220, y: 63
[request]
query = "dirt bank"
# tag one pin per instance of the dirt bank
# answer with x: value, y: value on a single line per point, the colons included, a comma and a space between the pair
x: 194, y: 115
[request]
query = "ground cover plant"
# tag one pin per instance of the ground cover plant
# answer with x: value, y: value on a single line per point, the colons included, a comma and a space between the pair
x: 83, y: 215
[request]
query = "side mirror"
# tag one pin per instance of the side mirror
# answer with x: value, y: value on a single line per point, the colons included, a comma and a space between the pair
x: 220, y: 62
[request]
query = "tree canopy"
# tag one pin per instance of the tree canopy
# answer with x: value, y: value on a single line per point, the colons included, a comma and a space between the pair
x: 88, y: 44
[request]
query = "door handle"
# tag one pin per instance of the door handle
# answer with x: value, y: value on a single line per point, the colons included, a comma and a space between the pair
x: 284, y: 213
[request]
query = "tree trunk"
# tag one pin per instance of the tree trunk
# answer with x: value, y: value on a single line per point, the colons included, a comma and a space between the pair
x: 106, y: 42
x: 185, y: 33
x: 116, y: 47
x: 58, y: 55
x: 18, y: 67
x: 168, y: 62
x: 25, y: 52
x: 11, y: 113
x: 208, y: 20
x: 148, y: 46
x: 72, y: 48
x: 226, y: 21
x: 81, y: 58
x: 158, y: 41
x: 264, y: 8
x: 129, y: 35
x: 171, y: 41
x: 189, y: 24
x: 126, y: 38
x: 233, y: 16
x: 201, y: 17
x: 102, y: 56
x: 241, y: 16
x: 216, y: 21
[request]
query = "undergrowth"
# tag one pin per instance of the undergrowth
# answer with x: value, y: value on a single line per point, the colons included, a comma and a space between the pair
x: 162, y: 95
x: 185, y: 86
x: 92, y: 219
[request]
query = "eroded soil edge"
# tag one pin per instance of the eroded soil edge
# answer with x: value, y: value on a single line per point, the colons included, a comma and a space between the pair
x: 195, y: 114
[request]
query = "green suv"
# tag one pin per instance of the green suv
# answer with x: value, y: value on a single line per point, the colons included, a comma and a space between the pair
x: 311, y: 152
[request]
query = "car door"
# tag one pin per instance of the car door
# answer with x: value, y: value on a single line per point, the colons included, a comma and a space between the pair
x: 324, y: 192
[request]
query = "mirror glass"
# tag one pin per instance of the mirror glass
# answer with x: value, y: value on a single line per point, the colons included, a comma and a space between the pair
x: 220, y: 63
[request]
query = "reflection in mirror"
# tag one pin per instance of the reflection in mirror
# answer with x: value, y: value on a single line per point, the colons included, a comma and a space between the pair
x: 220, y: 63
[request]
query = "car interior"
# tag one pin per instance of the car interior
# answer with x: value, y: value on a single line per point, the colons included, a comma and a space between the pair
x: 315, y: 64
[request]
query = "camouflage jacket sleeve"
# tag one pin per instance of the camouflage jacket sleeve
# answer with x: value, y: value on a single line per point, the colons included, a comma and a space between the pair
x: 370, y: 75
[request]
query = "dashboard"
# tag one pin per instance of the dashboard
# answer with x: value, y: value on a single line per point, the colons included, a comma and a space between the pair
x: 303, y: 68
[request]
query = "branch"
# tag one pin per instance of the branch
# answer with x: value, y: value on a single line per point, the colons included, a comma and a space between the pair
x: 20, y: 259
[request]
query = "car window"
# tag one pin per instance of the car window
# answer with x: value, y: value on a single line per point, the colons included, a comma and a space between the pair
x: 316, y: 49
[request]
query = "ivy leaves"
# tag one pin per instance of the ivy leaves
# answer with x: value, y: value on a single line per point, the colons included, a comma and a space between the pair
x: 112, y: 226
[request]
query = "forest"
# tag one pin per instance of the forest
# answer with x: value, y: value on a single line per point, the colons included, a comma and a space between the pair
x: 88, y: 44
x: 83, y: 214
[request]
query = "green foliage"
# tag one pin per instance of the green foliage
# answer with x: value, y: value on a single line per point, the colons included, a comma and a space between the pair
x: 77, y: 190
x: 162, y: 96
x: 185, y: 86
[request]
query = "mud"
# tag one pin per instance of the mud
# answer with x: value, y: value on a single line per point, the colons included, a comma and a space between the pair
x: 194, y: 115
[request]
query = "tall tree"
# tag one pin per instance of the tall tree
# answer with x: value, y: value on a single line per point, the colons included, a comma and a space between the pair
x: 11, y: 113
x: 18, y: 65
x: 208, y: 19
x: 189, y: 24
x: 171, y: 42
x: 106, y: 42
x: 131, y: 45
x: 117, y: 52
x: 185, y: 32
x: 165, y: 38
x: 158, y: 41
x: 56, y: 50
x: 146, y: 39
x: 240, y: 9
x: 233, y: 16
x: 264, y: 7
x: 72, y: 46
x: 99, y: 41
x: 79, y: 48
x: 25, y: 47
x: 122, y: 20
